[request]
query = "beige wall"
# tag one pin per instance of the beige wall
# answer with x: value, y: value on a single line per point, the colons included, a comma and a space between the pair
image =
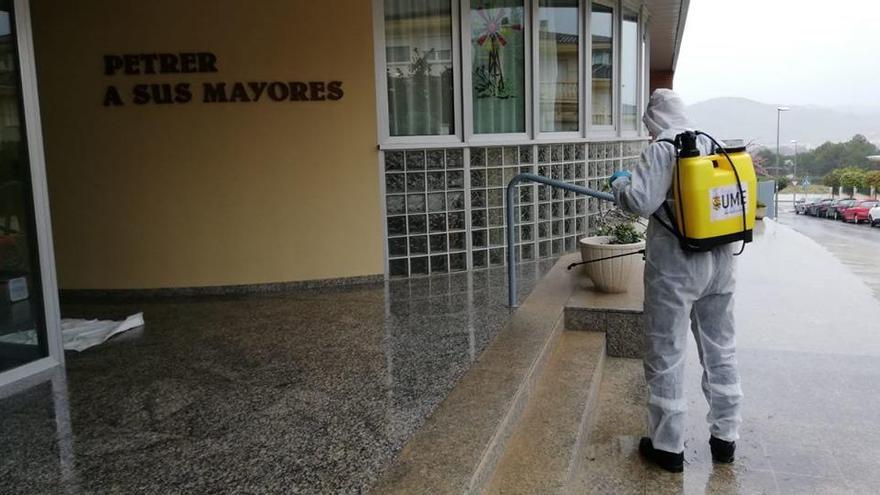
x: 200, y: 194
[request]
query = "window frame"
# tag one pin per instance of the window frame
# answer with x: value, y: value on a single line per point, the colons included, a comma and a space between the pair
x: 629, y: 133
x: 463, y: 81
x: 467, y: 82
x: 46, y: 368
x: 379, y: 55
x: 551, y: 136
x: 604, y: 132
x: 644, y: 66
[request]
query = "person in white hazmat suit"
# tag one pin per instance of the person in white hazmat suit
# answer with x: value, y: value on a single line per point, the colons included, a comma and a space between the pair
x: 682, y: 290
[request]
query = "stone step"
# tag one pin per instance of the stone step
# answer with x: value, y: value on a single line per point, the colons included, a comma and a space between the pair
x: 458, y: 448
x: 543, y: 449
x: 609, y: 461
x: 619, y: 316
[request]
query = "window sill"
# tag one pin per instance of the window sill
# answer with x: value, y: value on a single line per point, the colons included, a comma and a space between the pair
x: 594, y: 138
x: 414, y: 145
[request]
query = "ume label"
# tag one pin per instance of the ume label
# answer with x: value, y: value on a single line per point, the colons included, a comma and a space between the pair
x: 726, y: 202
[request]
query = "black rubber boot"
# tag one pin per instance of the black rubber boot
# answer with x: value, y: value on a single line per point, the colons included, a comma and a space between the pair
x: 722, y: 451
x: 669, y: 461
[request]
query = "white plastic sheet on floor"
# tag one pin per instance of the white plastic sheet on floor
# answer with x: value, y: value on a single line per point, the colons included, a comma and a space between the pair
x: 79, y: 335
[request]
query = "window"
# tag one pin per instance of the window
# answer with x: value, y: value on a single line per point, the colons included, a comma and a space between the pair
x: 24, y: 336
x: 602, y: 32
x: 421, y: 95
x: 498, y: 66
x: 515, y: 82
x: 629, y: 62
x: 558, y: 55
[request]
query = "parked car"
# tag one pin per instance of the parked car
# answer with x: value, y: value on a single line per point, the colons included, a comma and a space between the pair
x: 818, y: 208
x: 805, y: 206
x: 799, y: 206
x: 835, y: 211
x: 874, y: 216
x: 822, y: 211
x: 859, y: 212
x: 810, y: 209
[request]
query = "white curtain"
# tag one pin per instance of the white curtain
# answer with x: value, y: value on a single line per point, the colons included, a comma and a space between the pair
x: 558, y: 52
x: 630, y: 65
x: 418, y: 42
x: 548, y: 65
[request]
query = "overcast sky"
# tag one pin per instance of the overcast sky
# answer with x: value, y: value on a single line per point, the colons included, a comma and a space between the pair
x: 797, y: 52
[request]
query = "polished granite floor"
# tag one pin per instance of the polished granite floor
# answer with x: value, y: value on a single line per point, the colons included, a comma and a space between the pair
x: 301, y: 392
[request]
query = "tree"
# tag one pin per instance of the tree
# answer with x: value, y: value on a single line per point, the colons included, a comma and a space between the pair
x: 832, y: 179
x: 782, y: 182
x: 873, y: 179
x: 857, y: 150
x: 829, y: 156
x: 764, y: 157
x: 852, y: 178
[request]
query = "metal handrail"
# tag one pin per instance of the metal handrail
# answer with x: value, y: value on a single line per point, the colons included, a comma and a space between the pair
x: 511, y: 227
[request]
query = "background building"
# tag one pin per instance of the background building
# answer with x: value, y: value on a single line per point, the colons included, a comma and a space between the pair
x: 214, y: 145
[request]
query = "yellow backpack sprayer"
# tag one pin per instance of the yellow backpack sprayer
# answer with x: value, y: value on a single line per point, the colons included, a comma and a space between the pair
x: 714, y: 196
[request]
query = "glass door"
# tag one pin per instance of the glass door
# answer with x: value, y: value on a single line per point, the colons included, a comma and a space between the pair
x: 25, y: 329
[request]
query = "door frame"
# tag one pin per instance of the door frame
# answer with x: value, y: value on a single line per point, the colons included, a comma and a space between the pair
x: 27, y: 375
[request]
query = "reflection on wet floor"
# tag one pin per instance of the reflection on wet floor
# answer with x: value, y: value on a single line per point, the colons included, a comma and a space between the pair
x: 795, y: 295
x: 792, y: 441
x: 809, y: 374
x: 310, y: 391
x: 854, y: 245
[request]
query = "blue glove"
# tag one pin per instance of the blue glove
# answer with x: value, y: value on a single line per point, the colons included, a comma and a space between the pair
x: 617, y: 175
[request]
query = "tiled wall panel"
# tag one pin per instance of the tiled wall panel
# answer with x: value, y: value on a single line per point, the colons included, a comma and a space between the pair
x: 445, y: 208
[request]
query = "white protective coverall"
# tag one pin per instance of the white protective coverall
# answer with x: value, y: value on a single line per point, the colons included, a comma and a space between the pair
x: 682, y: 289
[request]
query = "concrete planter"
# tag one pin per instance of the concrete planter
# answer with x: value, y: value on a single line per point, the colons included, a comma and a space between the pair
x: 612, y: 276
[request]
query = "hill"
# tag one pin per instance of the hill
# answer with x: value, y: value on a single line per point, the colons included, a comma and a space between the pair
x: 811, y: 126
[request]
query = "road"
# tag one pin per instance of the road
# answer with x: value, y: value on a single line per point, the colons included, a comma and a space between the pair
x: 856, y: 246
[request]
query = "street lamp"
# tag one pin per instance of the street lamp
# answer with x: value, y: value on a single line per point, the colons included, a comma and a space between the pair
x: 779, y: 111
x: 794, y: 142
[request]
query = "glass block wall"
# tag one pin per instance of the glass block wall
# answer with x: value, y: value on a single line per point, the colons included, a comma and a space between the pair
x: 491, y: 169
x: 445, y: 208
x: 562, y: 215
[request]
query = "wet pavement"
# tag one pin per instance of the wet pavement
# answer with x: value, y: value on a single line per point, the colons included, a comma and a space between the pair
x: 857, y: 246
x: 809, y: 355
x: 303, y: 392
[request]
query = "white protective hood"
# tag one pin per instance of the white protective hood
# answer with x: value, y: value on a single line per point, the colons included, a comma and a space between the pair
x: 666, y: 112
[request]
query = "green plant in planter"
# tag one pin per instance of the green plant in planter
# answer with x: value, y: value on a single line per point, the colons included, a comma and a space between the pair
x: 620, y: 226
x: 626, y: 233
